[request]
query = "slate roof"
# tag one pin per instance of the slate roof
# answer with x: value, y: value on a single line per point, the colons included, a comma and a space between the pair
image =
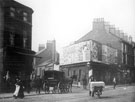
x: 102, y: 37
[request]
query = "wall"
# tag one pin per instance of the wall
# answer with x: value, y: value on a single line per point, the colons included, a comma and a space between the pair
x: 1, y: 44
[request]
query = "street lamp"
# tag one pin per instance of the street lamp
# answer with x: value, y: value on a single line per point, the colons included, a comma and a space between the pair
x: 90, y: 71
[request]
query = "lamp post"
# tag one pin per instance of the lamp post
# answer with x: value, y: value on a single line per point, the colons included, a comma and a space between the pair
x: 90, y: 71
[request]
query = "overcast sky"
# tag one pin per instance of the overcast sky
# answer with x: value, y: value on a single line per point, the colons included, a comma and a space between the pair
x: 68, y: 20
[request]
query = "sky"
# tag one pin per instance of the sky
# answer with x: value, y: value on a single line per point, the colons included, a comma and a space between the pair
x: 68, y: 20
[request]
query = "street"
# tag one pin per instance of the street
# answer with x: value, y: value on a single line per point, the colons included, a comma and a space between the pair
x: 120, y: 94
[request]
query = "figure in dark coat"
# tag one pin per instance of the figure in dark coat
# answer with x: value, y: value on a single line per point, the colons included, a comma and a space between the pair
x: 19, y: 91
x: 38, y: 84
x: 84, y: 83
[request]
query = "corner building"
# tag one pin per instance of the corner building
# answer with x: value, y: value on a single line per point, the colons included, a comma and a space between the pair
x: 104, y: 52
x: 16, y: 56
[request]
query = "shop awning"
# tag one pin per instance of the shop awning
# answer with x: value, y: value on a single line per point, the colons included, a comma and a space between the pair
x: 26, y: 54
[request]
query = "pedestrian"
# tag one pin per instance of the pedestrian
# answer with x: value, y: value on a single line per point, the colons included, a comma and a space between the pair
x: 19, y: 91
x: 78, y: 83
x: 38, y: 84
x: 114, y: 83
x: 28, y: 87
x: 91, y: 79
x: 84, y: 82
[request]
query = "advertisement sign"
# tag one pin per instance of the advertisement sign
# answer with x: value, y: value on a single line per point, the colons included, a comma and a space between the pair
x: 96, y: 51
x: 109, y: 55
x: 75, y: 53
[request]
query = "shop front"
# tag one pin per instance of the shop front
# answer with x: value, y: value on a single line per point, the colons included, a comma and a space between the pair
x: 17, y: 63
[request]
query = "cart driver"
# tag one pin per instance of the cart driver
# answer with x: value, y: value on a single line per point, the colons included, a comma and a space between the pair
x: 91, y: 79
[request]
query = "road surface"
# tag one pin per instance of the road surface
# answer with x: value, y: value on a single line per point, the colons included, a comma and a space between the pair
x: 120, y: 94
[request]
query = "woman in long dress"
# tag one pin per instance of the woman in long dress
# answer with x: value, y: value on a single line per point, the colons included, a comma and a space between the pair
x: 19, y: 91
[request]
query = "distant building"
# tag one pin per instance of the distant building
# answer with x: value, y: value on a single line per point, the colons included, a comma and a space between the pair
x: 47, y: 58
x: 103, y: 53
x: 16, y: 56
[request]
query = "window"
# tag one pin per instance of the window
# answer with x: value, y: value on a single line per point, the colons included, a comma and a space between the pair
x: 12, y: 14
x: 24, y: 39
x: 24, y: 42
x: 126, y: 59
x: 79, y: 73
x: 12, y: 11
x: 12, y: 39
x: 122, y: 47
x: 74, y: 72
x: 134, y: 57
x: 125, y: 48
x: 25, y: 16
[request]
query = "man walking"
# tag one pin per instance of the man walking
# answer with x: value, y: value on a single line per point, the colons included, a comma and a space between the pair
x: 114, y: 83
x: 38, y: 84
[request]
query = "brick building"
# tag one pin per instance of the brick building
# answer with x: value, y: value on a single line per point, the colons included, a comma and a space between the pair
x: 104, y: 52
x: 16, y: 56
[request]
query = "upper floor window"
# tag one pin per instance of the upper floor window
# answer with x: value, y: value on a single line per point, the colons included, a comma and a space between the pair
x: 134, y: 57
x: 25, y: 16
x: 12, y: 11
x: 122, y: 47
x: 24, y: 42
x: 12, y: 37
x: 125, y: 48
x: 24, y: 39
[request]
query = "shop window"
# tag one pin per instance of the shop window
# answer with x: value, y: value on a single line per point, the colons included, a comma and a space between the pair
x: 74, y: 72
x: 80, y: 73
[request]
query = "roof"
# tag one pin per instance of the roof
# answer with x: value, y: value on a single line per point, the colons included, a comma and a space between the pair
x: 102, y: 37
x: 45, y: 55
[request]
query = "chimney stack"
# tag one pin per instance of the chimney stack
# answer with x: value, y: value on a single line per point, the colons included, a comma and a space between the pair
x: 41, y: 47
x: 98, y: 24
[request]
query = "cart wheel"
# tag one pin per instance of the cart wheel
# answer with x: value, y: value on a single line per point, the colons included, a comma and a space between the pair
x: 92, y: 93
x: 98, y: 95
x: 89, y: 93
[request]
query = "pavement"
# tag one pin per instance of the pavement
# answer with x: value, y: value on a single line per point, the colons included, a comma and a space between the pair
x: 74, y: 88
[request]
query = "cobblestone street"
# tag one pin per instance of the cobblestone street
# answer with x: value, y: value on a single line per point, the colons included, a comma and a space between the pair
x: 120, y: 94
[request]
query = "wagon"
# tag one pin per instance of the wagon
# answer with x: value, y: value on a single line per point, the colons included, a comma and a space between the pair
x: 96, y: 88
x: 56, y: 82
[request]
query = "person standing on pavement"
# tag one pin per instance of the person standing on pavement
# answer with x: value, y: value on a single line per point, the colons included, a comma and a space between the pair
x: 19, y: 91
x: 114, y: 83
x: 78, y: 83
x: 91, y: 79
x: 38, y: 84
x: 84, y: 82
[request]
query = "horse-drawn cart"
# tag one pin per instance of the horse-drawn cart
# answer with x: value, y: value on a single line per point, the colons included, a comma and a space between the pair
x: 56, y: 82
